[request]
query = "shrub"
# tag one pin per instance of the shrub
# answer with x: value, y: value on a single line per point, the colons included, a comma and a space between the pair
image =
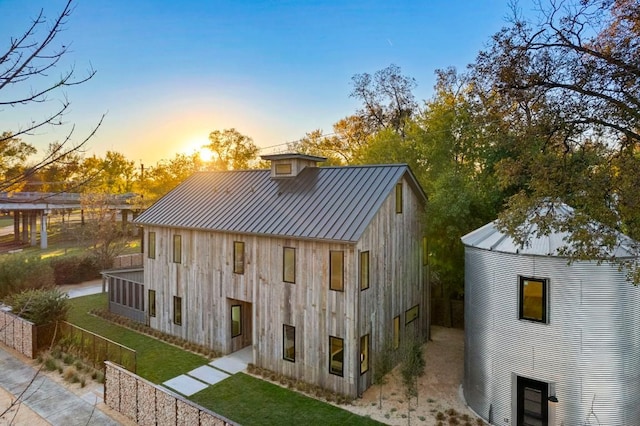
x: 74, y: 269
x: 40, y: 306
x: 20, y: 272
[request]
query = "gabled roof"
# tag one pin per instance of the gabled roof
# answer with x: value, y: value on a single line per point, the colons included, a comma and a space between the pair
x: 327, y: 203
x: 489, y: 237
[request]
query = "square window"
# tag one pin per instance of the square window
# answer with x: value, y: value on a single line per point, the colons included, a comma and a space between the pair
x: 152, y: 303
x: 289, y: 343
x: 238, y: 257
x: 336, y: 356
x: 411, y: 314
x: 364, y: 270
x: 533, y: 299
x: 177, y: 249
x: 151, y: 251
x: 289, y: 265
x: 336, y: 270
x: 177, y: 310
x: 364, y: 354
x: 236, y: 320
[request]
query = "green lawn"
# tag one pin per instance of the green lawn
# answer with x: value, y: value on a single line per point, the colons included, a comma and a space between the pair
x: 156, y: 361
x: 250, y: 401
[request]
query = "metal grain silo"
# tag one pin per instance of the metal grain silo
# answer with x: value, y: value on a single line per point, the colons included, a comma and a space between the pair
x: 548, y: 342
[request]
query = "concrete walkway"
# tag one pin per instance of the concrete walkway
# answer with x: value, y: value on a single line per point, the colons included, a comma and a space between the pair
x: 52, y: 402
x: 217, y: 370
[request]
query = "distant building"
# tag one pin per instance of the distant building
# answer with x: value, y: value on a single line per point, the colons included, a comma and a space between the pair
x: 312, y: 267
x: 548, y: 342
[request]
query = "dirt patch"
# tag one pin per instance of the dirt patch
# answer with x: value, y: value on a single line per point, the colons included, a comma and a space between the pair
x: 438, y: 390
x: 19, y: 414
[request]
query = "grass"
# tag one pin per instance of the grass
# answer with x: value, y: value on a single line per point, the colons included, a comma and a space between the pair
x: 156, y: 361
x: 250, y: 401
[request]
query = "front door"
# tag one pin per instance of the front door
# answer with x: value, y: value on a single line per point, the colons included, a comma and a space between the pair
x: 532, y: 402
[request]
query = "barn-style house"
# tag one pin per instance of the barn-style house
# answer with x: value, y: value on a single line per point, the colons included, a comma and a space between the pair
x: 314, y: 267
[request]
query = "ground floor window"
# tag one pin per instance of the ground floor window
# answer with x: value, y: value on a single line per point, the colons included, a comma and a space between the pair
x: 396, y: 332
x: 364, y: 354
x: 289, y: 343
x: 177, y: 310
x: 152, y: 303
x: 336, y: 356
x: 236, y: 320
x: 411, y: 314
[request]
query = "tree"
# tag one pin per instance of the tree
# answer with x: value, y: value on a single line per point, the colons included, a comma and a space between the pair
x: 26, y: 66
x: 231, y: 150
x: 387, y: 97
x: 166, y: 175
x: 412, y: 367
x: 575, y: 81
x: 382, y: 365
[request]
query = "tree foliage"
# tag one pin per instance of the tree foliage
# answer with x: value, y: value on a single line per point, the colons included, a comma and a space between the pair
x: 27, y: 65
x: 40, y: 306
x: 19, y: 272
x: 231, y: 150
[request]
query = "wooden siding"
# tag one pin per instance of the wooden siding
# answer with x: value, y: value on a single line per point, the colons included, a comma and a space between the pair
x: 208, y: 287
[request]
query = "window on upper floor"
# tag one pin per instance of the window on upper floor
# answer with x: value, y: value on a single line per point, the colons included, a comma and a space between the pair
x: 336, y: 270
x: 289, y: 265
x: 177, y: 310
x: 396, y: 332
x: 152, y: 303
x: 289, y: 343
x: 364, y: 270
x: 236, y: 320
x: 425, y: 252
x: 533, y: 299
x: 364, y: 354
x: 151, y: 250
x: 411, y: 314
x: 283, y: 169
x: 238, y: 257
x: 336, y: 356
x: 177, y: 248
x: 399, y: 198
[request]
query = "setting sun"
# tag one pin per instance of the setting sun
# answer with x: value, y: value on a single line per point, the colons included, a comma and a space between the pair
x: 198, y: 145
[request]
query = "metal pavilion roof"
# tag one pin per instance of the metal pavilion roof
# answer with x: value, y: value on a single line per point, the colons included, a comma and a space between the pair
x: 489, y: 237
x: 327, y: 203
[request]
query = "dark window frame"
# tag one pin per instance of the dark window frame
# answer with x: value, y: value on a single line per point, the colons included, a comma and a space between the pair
x: 177, y: 248
x: 238, y: 257
x: 545, y: 299
x: 152, y: 303
x: 151, y: 245
x: 399, y: 198
x: 332, y: 271
x: 331, y: 355
x: 365, y: 350
x: 365, y: 269
x: 239, y: 333
x: 285, y: 277
x: 285, y: 354
x: 410, y: 316
x: 177, y: 310
x: 396, y: 332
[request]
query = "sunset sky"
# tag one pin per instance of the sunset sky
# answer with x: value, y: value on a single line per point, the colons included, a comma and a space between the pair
x: 170, y: 72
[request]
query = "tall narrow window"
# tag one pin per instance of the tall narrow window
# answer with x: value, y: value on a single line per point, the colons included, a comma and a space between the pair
x: 336, y: 356
x: 425, y: 252
x: 289, y: 265
x: 177, y: 248
x: 364, y: 270
x: 336, y: 270
x: 152, y: 303
x: 289, y: 343
x: 399, y: 197
x: 411, y: 314
x: 236, y: 320
x: 151, y: 253
x: 396, y: 332
x: 238, y: 257
x: 177, y: 310
x: 364, y: 354
x: 533, y: 299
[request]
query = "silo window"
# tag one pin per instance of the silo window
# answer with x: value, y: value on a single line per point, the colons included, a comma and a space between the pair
x: 533, y: 299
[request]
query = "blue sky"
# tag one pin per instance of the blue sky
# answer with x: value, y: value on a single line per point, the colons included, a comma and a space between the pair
x: 169, y: 72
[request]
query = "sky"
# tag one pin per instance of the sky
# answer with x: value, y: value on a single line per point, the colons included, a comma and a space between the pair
x: 170, y: 72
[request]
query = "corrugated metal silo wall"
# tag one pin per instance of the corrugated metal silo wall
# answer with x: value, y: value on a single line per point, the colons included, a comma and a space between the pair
x: 589, y: 351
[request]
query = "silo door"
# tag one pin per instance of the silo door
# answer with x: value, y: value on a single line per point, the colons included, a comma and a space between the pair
x: 532, y: 402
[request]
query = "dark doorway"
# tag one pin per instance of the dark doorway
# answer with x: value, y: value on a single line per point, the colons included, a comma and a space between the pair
x: 532, y: 402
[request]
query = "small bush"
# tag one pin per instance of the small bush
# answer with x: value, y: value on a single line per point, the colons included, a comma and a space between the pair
x: 74, y: 269
x: 19, y: 272
x: 40, y: 306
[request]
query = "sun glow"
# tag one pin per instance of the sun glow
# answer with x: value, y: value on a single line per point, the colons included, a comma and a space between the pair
x: 198, y: 145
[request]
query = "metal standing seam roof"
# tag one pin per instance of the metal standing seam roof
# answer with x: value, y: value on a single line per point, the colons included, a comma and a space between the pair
x: 326, y: 203
x: 489, y: 237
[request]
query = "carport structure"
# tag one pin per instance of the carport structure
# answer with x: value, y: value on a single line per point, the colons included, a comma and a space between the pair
x: 28, y: 208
